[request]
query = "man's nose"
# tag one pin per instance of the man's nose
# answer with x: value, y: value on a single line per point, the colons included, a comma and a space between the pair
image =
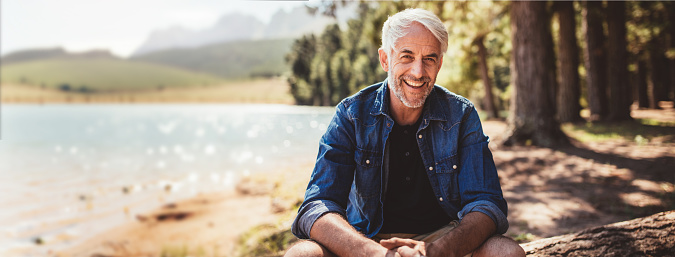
x: 417, y: 69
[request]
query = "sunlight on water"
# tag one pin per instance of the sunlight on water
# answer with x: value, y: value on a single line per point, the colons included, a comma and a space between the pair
x: 71, y: 171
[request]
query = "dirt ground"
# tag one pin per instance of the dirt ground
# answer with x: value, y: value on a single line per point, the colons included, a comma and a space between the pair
x: 557, y: 191
x: 549, y: 191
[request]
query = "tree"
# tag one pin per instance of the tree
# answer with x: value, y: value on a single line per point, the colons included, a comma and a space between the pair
x: 620, y: 92
x: 488, y: 99
x: 568, y: 57
x: 532, y: 115
x: 299, y: 59
x: 594, y: 58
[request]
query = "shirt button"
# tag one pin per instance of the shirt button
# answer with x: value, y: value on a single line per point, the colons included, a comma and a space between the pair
x: 407, y: 178
x: 431, y: 168
x: 440, y: 199
x: 407, y: 153
x: 454, y: 167
x: 405, y: 132
x: 420, y: 136
x: 367, y: 161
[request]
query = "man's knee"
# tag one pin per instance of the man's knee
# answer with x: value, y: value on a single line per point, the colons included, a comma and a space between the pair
x: 499, y: 245
x: 307, y: 248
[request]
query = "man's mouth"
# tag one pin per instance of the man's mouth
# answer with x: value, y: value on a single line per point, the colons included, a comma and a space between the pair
x: 413, y: 83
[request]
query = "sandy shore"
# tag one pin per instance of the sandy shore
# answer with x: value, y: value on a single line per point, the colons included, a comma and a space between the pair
x: 206, y: 225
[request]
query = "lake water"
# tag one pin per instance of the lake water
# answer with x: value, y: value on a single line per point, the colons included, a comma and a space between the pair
x: 70, y: 171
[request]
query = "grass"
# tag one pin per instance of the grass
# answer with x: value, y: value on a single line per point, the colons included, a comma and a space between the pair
x: 101, y: 75
x: 254, y: 91
x: 641, y: 131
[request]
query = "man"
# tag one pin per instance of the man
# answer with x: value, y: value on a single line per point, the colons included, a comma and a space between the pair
x: 404, y: 168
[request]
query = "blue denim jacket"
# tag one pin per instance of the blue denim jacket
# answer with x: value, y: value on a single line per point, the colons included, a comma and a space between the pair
x: 350, y: 174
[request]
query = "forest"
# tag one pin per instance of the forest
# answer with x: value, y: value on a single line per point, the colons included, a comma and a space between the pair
x: 536, y: 64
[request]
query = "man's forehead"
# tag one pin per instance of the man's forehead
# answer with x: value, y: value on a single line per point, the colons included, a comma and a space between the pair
x: 417, y: 38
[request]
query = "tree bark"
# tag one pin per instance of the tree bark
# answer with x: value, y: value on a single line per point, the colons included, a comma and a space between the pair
x: 620, y: 92
x: 649, y: 236
x: 643, y: 97
x: 568, y: 57
x: 532, y: 114
x: 594, y: 58
x: 658, y: 73
x: 488, y: 100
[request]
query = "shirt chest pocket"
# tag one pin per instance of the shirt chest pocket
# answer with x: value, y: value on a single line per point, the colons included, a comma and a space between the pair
x: 447, y: 173
x: 367, y: 181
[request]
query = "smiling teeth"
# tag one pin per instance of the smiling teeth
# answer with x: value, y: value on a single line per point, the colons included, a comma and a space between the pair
x: 414, y: 84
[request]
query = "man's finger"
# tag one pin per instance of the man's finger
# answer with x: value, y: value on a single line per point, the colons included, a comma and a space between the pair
x: 397, y: 242
x: 405, y: 251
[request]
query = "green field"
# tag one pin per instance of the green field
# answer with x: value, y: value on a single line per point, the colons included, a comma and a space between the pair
x: 101, y: 75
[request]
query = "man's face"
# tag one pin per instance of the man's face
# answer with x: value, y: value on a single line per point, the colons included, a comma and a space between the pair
x: 412, y: 65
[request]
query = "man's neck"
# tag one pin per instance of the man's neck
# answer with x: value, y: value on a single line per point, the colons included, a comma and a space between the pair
x: 403, y: 115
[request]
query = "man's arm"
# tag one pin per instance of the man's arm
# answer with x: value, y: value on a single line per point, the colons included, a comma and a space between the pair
x: 334, y: 232
x: 473, y: 230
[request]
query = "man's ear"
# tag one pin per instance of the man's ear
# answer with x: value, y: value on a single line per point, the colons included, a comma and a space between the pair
x: 440, y: 63
x: 384, y: 61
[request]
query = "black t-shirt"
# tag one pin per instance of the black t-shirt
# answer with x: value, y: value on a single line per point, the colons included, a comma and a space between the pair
x: 410, y: 204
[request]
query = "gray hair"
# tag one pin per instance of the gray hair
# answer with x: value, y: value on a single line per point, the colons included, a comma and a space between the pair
x: 395, y: 25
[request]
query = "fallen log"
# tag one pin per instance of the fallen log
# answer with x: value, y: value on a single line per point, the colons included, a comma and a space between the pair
x: 649, y: 236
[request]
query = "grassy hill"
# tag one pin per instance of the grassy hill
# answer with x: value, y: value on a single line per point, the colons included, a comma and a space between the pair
x: 240, y: 59
x: 100, y: 75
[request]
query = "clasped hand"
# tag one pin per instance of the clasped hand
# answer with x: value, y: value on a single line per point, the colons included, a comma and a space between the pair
x: 404, y: 247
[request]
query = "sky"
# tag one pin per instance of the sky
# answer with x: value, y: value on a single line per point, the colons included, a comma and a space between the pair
x: 117, y: 25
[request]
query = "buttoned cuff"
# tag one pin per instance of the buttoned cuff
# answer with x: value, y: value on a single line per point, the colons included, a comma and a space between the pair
x: 311, y: 212
x: 491, y: 210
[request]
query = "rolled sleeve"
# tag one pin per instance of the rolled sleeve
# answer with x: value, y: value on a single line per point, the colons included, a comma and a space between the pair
x: 491, y: 210
x: 311, y: 212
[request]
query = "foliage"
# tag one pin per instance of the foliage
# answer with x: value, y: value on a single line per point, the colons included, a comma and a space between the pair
x: 337, y: 63
x: 100, y: 75
x: 329, y: 67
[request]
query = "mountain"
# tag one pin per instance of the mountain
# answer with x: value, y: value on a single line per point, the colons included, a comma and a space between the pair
x: 236, y: 26
x: 236, y: 59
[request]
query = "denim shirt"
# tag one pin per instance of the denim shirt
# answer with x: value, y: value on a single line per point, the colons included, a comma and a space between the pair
x: 350, y: 174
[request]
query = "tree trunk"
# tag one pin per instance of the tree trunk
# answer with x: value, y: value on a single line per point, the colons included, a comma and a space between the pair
x: 620, y: 92
x: 482, y: 62
x: 594, y: 58
x: 643, y: 97
x: 568, y: 56
x: 649, y: 236
x: 658, y: 72
x: 670, y: 6
x: 532, y: 114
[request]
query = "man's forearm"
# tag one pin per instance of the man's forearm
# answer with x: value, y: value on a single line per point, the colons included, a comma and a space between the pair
x: 474, y: 229
x: 334, y: 232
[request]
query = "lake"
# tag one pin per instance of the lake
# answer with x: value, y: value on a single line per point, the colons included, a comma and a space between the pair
x: 70, y: 171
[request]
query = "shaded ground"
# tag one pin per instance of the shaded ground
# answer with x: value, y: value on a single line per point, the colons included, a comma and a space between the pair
x: 625, y: 171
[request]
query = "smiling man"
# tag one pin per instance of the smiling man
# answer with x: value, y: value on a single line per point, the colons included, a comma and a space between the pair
x: 404, y: 168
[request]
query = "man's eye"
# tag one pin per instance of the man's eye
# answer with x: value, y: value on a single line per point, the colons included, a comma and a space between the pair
x: 406, y: 57
x: 431, y: 60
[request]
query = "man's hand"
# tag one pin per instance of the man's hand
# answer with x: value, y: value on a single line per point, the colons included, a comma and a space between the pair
x: 405, y: 247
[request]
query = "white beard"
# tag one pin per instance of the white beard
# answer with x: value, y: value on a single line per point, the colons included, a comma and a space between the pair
x: 397, y: 85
